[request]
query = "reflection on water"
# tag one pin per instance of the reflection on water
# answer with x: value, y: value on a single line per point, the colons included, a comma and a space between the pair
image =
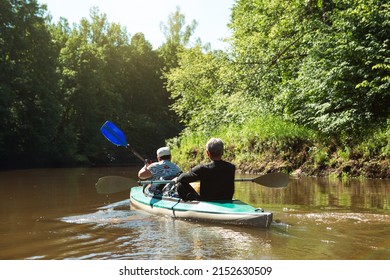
x: 152, y: 237
x: 57, y: 214
x: 323, y: 194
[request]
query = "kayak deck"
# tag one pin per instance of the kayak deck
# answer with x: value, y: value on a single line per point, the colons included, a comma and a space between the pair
x: 228, y: 212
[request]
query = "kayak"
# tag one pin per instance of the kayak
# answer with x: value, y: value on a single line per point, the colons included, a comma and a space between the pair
x: 233, y: 211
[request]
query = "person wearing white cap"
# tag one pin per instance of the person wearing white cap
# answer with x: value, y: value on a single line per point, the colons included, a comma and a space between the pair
x: 163, y: 169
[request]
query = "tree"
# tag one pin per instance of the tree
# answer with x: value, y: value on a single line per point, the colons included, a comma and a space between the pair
x: 146, y: 101
x: 28, y: 104
x: 342, y: 88
x: 320, y: 63
x: 268, y: 45
x: 202, y: 90
x: 106, y: 74
x: 177, y: 36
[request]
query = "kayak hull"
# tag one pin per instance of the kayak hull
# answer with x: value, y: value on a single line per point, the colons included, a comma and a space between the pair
x: 233, y: 212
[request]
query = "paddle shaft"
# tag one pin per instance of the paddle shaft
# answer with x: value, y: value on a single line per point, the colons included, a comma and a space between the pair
x: 113, y: 184
x: 271, y: 180
x: 137, y: 154
x: 144, y: 182
x: 245, y: 179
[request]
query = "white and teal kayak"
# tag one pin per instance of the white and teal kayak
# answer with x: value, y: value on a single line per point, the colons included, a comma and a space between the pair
x: 227, y: 212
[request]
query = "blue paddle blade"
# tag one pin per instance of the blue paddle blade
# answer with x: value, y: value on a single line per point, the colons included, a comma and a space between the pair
x: 113, y: 134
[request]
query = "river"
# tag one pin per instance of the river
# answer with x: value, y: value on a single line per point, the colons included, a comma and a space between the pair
x: 56, y: 214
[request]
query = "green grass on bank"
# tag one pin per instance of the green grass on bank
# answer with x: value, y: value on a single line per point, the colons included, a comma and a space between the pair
x: 266, y: 144
x: 246, y: 142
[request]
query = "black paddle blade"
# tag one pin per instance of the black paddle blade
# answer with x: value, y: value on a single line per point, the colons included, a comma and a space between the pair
x: 114, y: 184
x: 273, y: 180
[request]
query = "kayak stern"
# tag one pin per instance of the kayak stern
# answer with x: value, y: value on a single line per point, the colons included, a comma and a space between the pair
x: 233, y: 212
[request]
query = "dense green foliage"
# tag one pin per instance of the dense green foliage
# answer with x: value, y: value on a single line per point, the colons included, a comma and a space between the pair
x: 305, y: 85
x: 320, y: 65
x: 29, y: 103
x: 105, y: 75
x: 60, y: 83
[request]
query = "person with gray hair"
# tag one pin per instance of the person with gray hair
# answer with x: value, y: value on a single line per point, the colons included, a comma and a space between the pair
x: 215, y: 147
x: 216, y: 178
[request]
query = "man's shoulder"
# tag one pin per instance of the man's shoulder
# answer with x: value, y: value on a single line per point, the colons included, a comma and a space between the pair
x: 216, y: 164
x: 230, y: 165
x: 226, y: 163
x: 170, y: 163
x: 157, y: 164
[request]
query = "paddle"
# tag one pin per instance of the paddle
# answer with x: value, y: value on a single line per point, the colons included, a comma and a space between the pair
x: 114, y: 184
x: 117, y: 137
x: 270, y: 180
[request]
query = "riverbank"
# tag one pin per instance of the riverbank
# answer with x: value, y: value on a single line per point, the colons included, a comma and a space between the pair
x: 315, y: 162
x: 333, y: 166
x: 379, y: 169
x: 269, y: 145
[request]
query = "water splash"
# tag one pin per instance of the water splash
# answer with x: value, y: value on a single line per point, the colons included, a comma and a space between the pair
x: 111, y: 214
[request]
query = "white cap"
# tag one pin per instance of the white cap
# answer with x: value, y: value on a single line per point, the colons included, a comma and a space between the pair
x: 163, y: 151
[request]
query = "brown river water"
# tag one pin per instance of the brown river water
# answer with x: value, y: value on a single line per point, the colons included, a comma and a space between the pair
x: 56, y: 214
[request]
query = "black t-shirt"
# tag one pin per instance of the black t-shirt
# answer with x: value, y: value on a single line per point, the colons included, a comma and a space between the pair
x: 216, y: 179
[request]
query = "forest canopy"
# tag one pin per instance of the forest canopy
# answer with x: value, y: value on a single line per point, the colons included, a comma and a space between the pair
x: 304, y: 84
